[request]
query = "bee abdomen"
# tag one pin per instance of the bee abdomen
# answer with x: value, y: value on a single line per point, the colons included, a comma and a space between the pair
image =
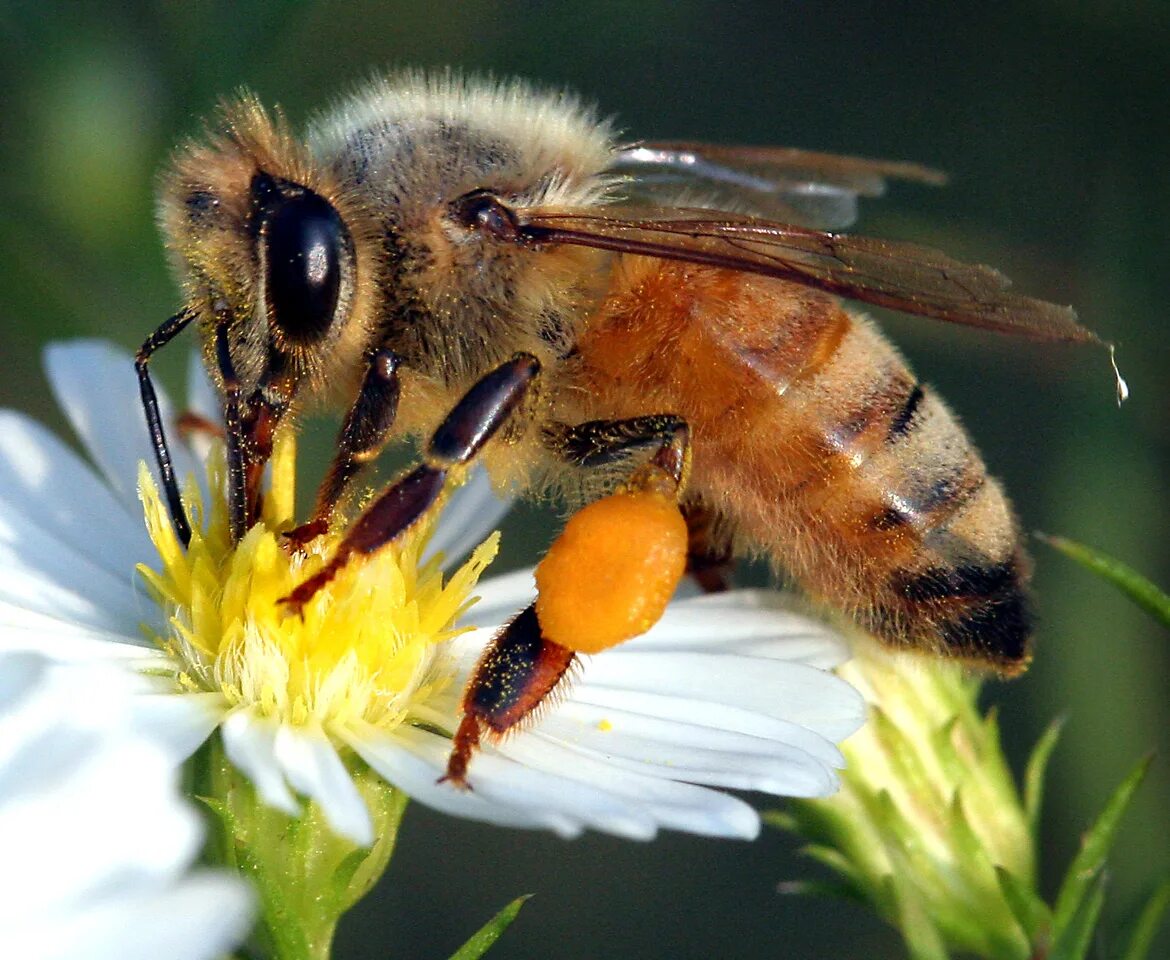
x: 976, y: 611
x: 958, y: 580
x: 820, y: 449
x: 900, y: 523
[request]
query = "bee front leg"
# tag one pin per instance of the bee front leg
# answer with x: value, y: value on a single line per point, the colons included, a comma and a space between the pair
x: 458, y: 439
x: 606, y: 579
x: 362, y: 437
x: 158, y: 437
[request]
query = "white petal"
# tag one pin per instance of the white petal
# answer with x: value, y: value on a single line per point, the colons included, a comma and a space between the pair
x: 500, y: 780
x: 96, y: 836
x: 745, y: 621
x: 249, y: 742
x: 46, y: 572
x: 717, y: 716
x: 68, y: 640
x: 415, y: 767
x: 105, y: 840
x: 201, y: 918
x: 697, y: 754
x: 182, y: 722
x: 501, y: 598
x: 472, y: 513
x: 788, y: 691
x: 313, y: 768
x: 543, y: 779
x: 20, y: 676
x: 679, y: 806
x: 43, y: 479
x: 113, y: 431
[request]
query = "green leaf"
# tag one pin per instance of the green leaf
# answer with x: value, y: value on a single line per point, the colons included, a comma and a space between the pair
x: 781, y: 820
x: 1086, y: 867
x: 1030, y: 911
x: 1072, y: 939
x: 490, y: 932
x: 343, y: 875
x: 836, y: 861
x: 912, y: 918
x: 1140, y: 590
x: 1147, y: 923
x: 1034, y: 774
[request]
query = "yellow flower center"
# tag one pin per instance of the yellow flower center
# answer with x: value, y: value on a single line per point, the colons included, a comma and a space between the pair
x: 362, y: 650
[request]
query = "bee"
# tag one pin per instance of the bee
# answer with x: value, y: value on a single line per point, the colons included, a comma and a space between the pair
x: 485, y: 266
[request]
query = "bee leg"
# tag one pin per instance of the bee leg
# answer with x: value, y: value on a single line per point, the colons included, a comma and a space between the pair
x: 709, y: 560
x: 158, y: 438
x: 514, y: 676
x: 233, y: 424
x: 457, y: 440
x: 635, y: 541
x: 361, y: 438
x: 262, y: 413
x: 192, y: 425
x: 598, y: 442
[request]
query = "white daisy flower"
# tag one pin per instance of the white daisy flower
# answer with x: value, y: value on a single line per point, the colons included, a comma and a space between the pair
x: 97, y: 840
x: 726, y: 691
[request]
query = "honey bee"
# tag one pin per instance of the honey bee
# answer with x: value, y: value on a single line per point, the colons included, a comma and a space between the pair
x: 483, y: 265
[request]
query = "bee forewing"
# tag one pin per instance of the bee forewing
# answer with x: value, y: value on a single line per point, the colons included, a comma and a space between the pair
x: 901, y: 276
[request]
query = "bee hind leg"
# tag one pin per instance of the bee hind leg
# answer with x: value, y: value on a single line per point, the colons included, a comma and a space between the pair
x: 457, y: 440
x: 709, y: 556
x: 606, y: 578
x: 518, y: 673
x: 600, y: 442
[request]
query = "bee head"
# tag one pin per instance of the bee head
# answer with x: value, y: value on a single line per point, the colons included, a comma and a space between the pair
x: 264, y: 242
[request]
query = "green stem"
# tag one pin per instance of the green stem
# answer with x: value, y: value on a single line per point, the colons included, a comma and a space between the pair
x: 305, y: 876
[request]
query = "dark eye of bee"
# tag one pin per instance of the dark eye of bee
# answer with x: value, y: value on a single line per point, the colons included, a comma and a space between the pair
x: 484, y: 211
x: 305, y: 237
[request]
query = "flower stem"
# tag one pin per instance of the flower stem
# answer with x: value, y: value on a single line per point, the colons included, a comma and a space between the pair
x: 305, y: 876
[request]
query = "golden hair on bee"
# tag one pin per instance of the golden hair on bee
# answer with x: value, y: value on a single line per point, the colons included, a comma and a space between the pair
x: 480, y: 264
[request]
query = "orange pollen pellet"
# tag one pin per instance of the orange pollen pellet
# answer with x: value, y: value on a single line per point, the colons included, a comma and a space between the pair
x: 611, y: 572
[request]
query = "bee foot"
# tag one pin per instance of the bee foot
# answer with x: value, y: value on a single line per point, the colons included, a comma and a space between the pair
x: 297, y: 539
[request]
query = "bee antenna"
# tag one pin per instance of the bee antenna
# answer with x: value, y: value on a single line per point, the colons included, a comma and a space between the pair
x: 1122, y: 386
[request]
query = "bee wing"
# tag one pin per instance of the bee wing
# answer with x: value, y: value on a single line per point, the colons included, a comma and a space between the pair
x: 796, y: 186
x: 902, y: 276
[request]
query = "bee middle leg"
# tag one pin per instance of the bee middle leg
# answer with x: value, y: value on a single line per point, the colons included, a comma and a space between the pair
x: 457, y: 440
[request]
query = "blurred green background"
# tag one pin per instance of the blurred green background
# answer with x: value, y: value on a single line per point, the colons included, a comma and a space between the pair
x: 1051, y: 118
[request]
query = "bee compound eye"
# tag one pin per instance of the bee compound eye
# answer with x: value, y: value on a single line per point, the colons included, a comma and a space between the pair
x: 305, y: 242
x: 482, y: 210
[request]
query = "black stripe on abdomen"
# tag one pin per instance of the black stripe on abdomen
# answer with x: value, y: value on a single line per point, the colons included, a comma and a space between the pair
x: 965, y: 580
x: 979, y: 611
x: 900, y: 424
